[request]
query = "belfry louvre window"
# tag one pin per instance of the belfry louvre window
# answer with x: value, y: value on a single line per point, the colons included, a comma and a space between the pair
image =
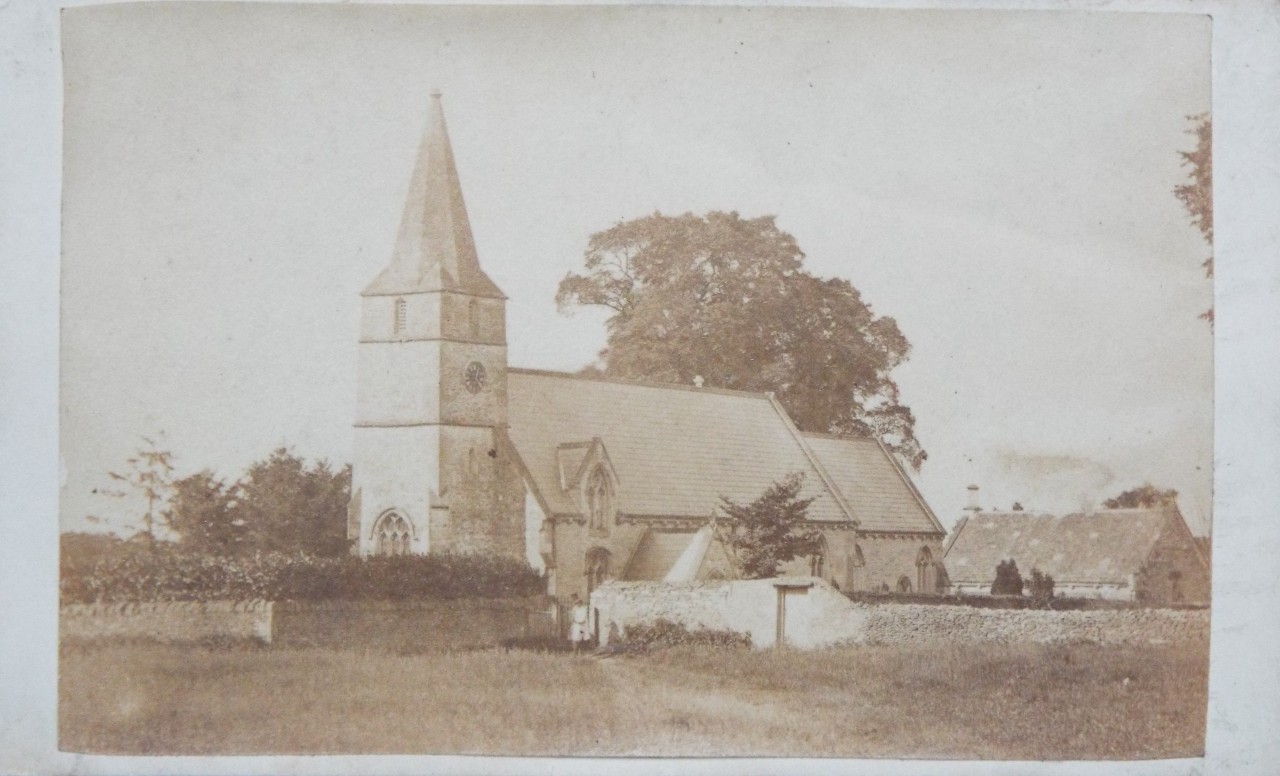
x: 401, y: 316
x: 391, y: 535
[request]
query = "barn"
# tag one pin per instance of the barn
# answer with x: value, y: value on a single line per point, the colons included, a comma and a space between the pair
x: 1142, y: 555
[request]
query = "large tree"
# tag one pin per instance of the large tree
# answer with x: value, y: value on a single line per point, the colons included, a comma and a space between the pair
x: 1196, y: 195
x: 727, y: 299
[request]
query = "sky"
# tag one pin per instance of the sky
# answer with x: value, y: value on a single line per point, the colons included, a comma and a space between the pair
x: 999, y: 183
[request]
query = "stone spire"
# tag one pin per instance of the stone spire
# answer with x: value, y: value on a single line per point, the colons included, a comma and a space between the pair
x: 434, y: 249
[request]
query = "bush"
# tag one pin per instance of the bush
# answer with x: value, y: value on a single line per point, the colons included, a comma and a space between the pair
x: 1008, y: 580
x: 170, y: 574
x: 662, y: 633
x: 1041, y: 586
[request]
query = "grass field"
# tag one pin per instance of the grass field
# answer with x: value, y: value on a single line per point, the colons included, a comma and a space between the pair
x: 1025, y: 702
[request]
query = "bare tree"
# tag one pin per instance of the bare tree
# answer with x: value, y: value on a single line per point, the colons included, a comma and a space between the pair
x: 150, y: 474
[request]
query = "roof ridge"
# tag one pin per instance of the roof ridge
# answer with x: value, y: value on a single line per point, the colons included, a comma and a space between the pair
x: 1092, y: 513
x: 637, y: 383
x: 838, y: 437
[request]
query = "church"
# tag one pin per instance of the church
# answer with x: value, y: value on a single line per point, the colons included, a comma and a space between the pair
x: 588, y: 479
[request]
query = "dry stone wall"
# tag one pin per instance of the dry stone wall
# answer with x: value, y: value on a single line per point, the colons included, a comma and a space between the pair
x: 420, y: 626
x: 922, y: 623
x: 412, y: 626
x: 168, y: 621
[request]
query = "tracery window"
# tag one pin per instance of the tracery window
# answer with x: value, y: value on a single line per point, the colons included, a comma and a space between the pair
x: 600, y: 501
x: 391, y: 535
x: 473, y: 319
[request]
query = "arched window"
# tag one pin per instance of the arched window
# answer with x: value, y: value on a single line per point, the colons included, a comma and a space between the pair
x: 855, y: 578
x: 1175, y: 587
x: 401, y: 317
x: 904, y: 584
x: 818, y: 560
x: 926, y: 572
x: 599, y: 499
x: 473, y: 319
x: 596, y: 568
x: 391, y: 535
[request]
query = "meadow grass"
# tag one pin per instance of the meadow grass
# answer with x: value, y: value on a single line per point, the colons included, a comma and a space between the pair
x: 994, y: 701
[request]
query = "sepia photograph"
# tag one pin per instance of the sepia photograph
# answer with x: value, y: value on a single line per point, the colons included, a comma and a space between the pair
x: 635, y: 382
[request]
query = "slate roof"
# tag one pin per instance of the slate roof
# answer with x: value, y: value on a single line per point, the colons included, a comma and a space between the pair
x: 657, y: 552
x: 675, y: 449
x: 1103, y: 547
x: 874, y: 485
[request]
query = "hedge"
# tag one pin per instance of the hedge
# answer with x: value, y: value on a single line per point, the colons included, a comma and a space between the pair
x: 167, y: 574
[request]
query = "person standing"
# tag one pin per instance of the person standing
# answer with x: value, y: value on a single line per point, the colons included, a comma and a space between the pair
x: 579, y: 623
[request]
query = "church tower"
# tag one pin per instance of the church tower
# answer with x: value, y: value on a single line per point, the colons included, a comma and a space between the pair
x: 431, y: 465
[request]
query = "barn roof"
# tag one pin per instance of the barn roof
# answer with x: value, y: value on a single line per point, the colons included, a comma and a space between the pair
x: 875, y: 486
x: 1104, y: 547
x: 675, y: 449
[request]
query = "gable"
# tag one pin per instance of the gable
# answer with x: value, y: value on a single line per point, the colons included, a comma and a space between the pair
x: 675, y: 450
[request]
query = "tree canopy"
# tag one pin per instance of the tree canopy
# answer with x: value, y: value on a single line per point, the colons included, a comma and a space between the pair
x: 279, y: 504
x: 1196, y: 195
x: 727, y: 299
x: 287, y: 506
x: 769, y: 531
x: 1144, y: 496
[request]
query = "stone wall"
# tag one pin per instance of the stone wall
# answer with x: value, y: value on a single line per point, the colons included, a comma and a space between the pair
x: 818, y: 615
x: 922, y: 623
x: 410, y: 626
x: 381, y: 625
x: 168, y: 621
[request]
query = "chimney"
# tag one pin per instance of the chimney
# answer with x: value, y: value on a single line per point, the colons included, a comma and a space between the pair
x: 973, y: 507
x: 698, y: 381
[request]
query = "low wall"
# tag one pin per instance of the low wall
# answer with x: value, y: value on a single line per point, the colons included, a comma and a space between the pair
x: 917, y: 623
x: 384, y: 625
x: 817, y: 615
x: 168, y: 621
x: 411, y: 625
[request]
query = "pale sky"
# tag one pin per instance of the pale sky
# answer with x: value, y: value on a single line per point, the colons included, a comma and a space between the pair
x: 1000, y: 183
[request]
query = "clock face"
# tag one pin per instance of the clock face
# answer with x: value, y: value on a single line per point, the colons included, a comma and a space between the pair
x: 474, y: 378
